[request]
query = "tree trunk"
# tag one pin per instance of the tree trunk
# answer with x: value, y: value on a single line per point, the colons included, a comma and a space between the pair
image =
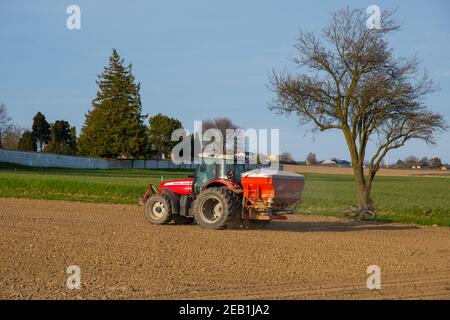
x: 363, y: 187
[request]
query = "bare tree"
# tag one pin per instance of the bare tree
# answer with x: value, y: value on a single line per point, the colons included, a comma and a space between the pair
x: 4, y: 121
x: 287, y: 157
x: 311, y: 159
x: 11, y: 137
x: 411, y: 160
x: 349, y: 80
x: 424, y: 162
x: 221, y: 124
x: 435, y: 163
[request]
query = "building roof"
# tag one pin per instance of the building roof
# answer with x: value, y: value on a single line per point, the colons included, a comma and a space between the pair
x: 338, y: 162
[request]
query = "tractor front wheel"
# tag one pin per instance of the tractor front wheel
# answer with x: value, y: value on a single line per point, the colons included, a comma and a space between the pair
x: 157, y: 209
x: 216, y: 208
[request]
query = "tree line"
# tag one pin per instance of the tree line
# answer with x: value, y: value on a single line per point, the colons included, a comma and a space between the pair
x: 57, y: 137
x: 413, y: 161
x: 114, y: 127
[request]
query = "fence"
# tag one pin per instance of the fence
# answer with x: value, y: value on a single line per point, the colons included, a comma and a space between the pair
x: 46, y: 160
x: 38, y: 159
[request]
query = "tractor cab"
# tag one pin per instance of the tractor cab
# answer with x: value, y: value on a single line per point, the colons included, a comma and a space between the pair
x: 217, y: 170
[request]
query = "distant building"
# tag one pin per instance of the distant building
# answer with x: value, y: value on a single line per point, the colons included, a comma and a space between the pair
x: 337, y: 163
x: 329, y: 162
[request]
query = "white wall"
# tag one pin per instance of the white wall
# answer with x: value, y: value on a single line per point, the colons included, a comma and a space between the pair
x: 37, y: 159
x: 49, y: 160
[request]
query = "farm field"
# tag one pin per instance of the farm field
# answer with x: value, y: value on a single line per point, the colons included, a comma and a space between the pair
x: 382, y: 172
x: 412, y: 199
x: 316, y: 254
x: 122, y: 256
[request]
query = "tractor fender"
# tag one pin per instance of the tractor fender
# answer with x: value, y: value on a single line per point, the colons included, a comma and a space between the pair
x: 174, y: 200
x: 217, y: 183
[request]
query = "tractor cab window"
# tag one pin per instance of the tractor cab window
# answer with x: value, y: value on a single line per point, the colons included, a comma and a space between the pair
x: 221, y: 170
x: 238, y: 170
x: 205, y: 173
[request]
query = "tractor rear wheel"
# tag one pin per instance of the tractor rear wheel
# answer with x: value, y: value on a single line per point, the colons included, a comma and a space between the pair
x: 216, y: 208
x: 158, y: 210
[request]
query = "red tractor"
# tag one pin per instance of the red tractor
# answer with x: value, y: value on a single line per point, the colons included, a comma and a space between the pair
x: 222, y: 195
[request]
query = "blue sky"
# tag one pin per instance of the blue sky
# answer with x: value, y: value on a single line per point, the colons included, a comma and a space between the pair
x: 195, y: 59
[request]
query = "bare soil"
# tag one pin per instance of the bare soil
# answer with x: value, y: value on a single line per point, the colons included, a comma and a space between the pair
x: 381, y: 172
x: 123, y: 256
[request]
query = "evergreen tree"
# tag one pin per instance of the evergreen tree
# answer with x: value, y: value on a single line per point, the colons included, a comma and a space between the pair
x: 60, y: 138
x: 73, y: 140
x: 160, y: 133
x: 41, y: 130
x: 114, y: 127
x: 27, y: 142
